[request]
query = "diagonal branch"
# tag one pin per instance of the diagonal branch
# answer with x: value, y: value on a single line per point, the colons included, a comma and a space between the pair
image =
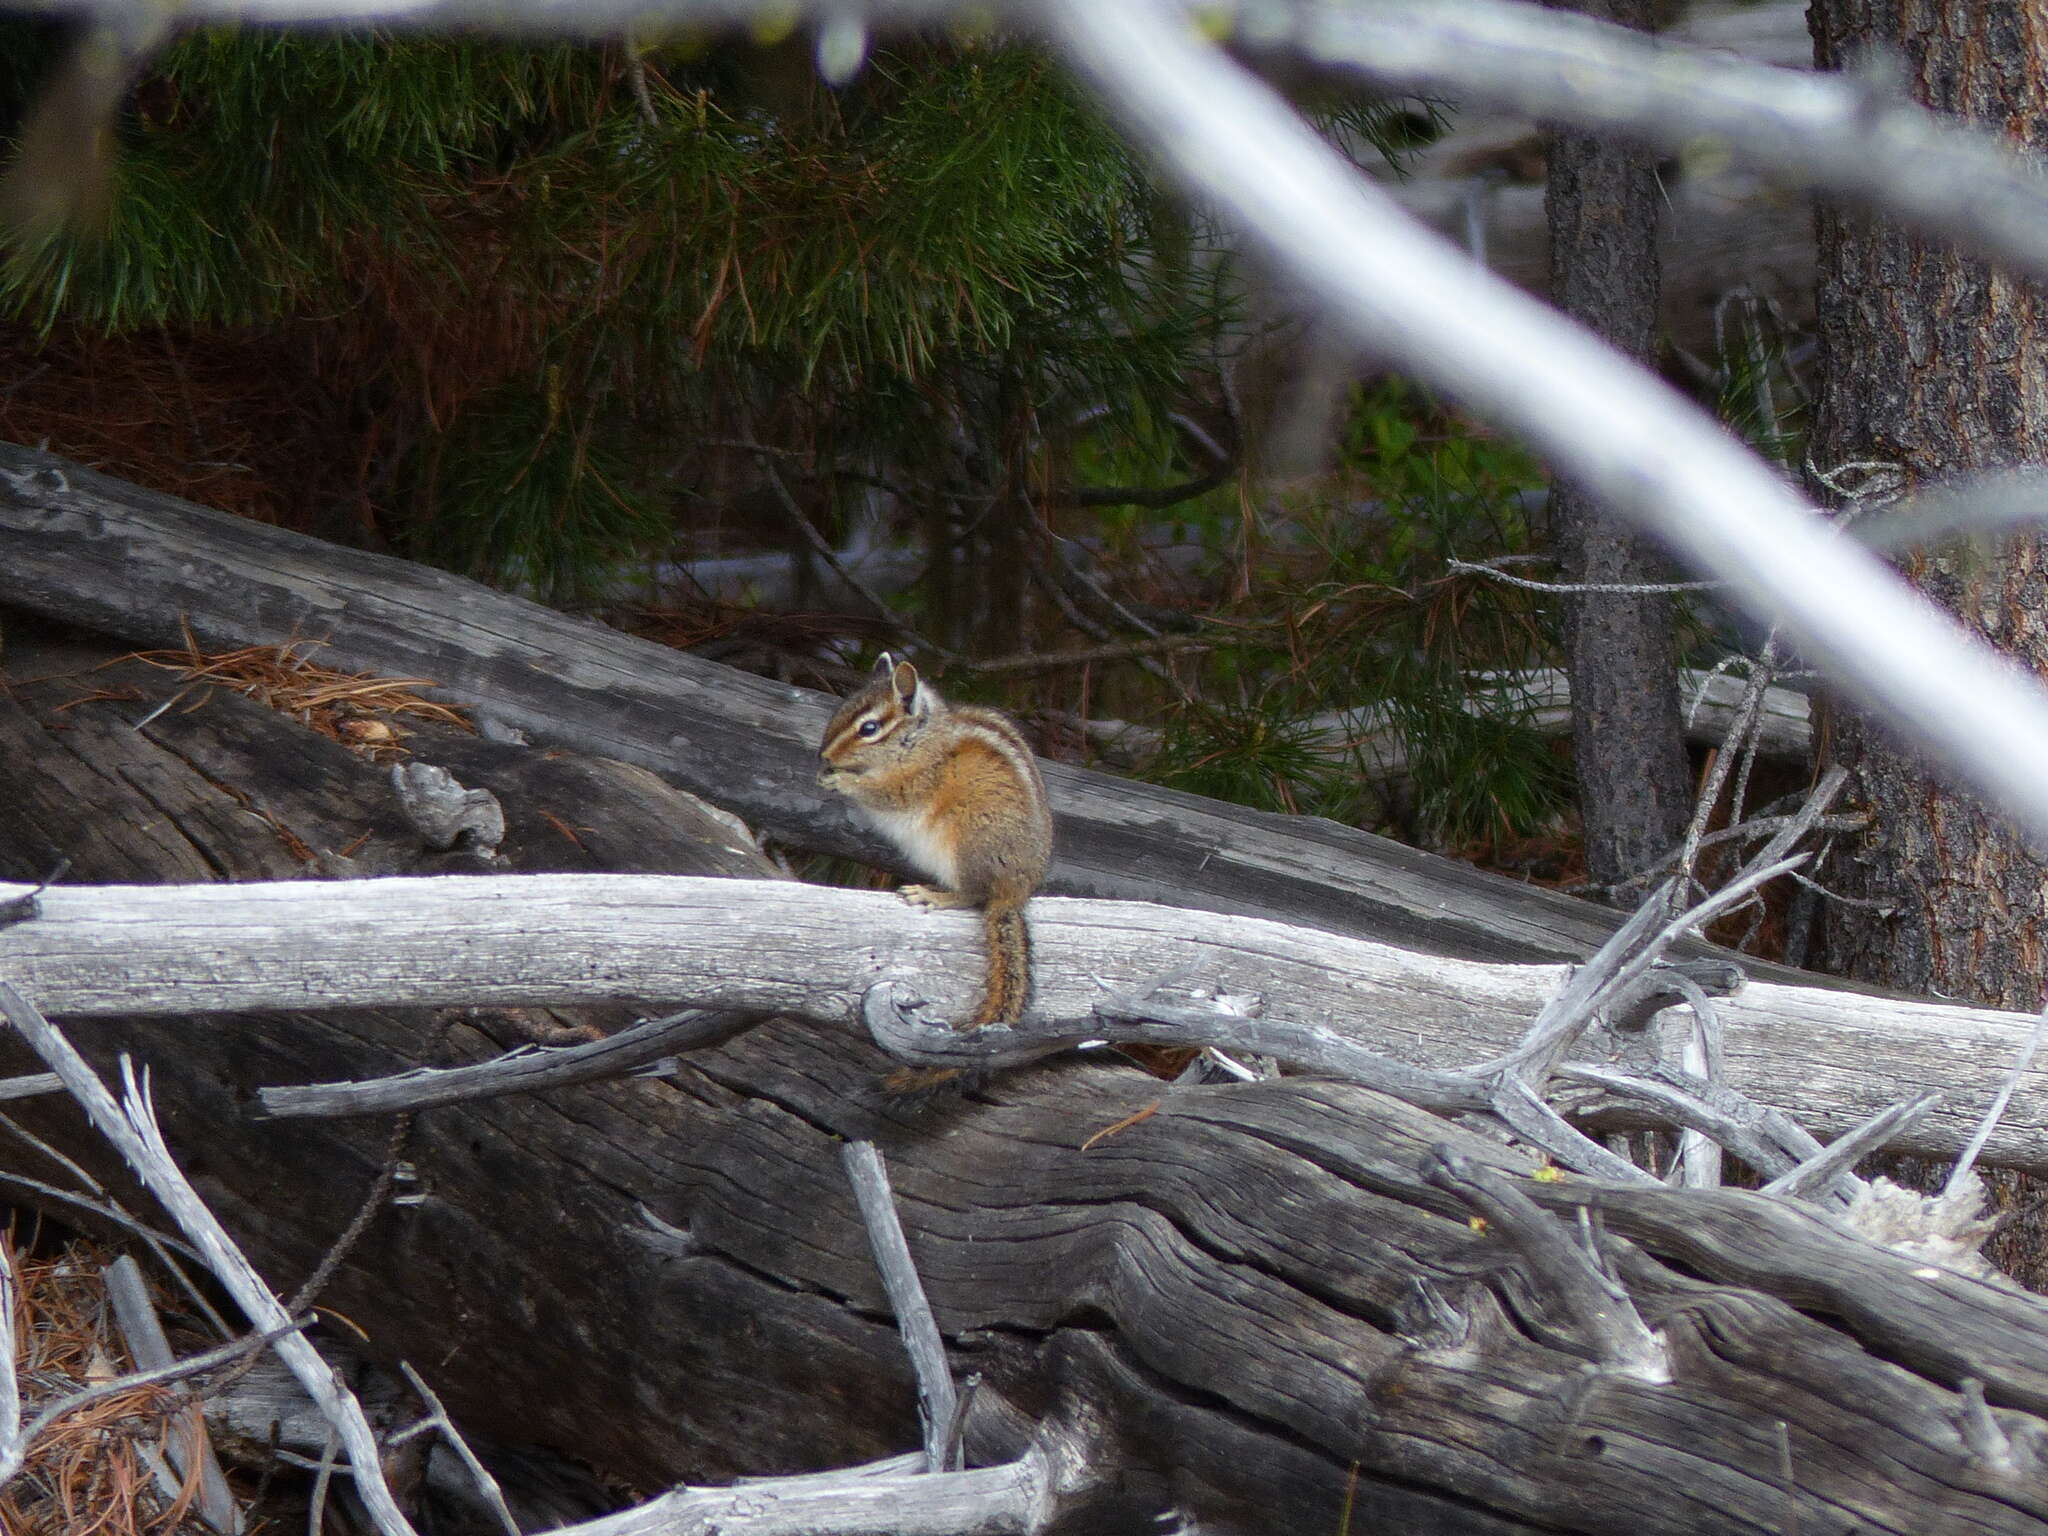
x: 133, y: 1131
x: 1613, y: 428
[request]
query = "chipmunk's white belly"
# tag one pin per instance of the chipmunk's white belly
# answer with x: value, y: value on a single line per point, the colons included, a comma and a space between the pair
x: 921, y: 842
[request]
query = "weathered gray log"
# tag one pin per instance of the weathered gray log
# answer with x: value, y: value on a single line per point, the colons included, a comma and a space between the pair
x: 1250, y: 1305
x: 1539, y: 700
x: 1830, y: 1060
x: 91, y: 550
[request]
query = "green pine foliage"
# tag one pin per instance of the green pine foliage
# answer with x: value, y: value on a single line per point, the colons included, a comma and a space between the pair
x: 1367, y: 619
x: 540, y: 283
x: 535, y: 297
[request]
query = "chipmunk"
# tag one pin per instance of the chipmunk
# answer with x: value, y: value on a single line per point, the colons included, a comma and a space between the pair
x: 957, y: 790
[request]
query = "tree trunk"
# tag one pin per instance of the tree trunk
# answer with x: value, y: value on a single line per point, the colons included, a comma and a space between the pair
x: 1628, y: 745
x: 1934, y: 363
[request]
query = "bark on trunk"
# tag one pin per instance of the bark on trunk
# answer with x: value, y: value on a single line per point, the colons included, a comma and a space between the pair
x: 1628, y: 744
x: 1933, y: 362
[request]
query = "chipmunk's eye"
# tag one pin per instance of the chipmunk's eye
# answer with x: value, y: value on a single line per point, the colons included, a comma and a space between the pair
x: 869, y: 727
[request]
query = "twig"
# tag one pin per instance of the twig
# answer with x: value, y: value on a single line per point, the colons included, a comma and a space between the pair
x: 1852, y: 1146
x: 309, y: 1290
x: 437, y: 1419
x: 888, y: 1009
x: 1967, y: 1159
x: 1615, y: 969
x: 1223, y: 461
x: 133, y: 1130
x: 25, y: 908
x: 13, y: 1443
x: 1809, y: 816
x: 316, y: 1505
x: 1523, y: 1112
x: 1741, y: 733
x: 1019, y: 1498
x: 1730, y: 895
x: 1699, y: 1158
x: 1827, y: 893
x: 107, y: 1212
x: 1153, y: 497
x: 525, y: 1070
x: 636, y: 72
x: 191, y: 1365
x: 1753, y: 738
x: 1492, y: 571
x: 143, y: 1332
x: 937, y: 1403
x: 1417, y: 301
x: 373, y: 1202
x: 822, y: 547
x: 1567, y: 1014
x: 1053, y: 576
x: 890, y: 1013
x: 160, y: 1244
x: 1832, y: 131
x: 1708, y: 1115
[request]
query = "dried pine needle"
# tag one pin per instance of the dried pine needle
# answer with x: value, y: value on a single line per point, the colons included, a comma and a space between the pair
x: 90, y: 1473
x: 358, y: 709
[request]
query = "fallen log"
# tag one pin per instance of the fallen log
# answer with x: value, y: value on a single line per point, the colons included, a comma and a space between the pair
x: 1539, y: 700
x: 1270, y: 1306
x: 813, y: 953
x: 90, y: 550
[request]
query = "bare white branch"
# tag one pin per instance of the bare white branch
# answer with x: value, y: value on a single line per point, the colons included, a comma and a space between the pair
x: 1844, y: 134
x: 13, y: 1443
x: 1614, y: 428
x: 1834, y: 1058
x: 1015, y: 1499
x: 150, y: 1348
x: 938, y: 1405
x: 1850, y: 1148
x: 1971, y: 1149
x: 437, y: 1419
x: 132, y: 1129
x: 526, y: 1070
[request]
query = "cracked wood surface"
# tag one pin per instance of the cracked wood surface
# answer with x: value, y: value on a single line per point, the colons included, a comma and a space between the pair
x: 1239, y: 1300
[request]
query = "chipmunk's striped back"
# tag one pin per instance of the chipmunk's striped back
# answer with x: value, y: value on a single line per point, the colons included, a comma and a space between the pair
x: 958, y: 792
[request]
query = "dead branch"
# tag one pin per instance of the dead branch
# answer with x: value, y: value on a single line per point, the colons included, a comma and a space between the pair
x: 525, y: 1070
x: 131, y: 1127
x: 938, y: 1405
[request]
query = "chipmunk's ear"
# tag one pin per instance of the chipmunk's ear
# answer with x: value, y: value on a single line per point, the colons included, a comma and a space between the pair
x: 910, y: 692
x: 884, y: 665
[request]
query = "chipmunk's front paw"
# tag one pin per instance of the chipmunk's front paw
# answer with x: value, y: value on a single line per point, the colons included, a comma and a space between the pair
x: 932, y: 898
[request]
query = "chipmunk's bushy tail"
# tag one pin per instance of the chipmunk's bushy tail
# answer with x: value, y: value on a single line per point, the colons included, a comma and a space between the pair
x: 1007, y: 987
x: 1006, y: 990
